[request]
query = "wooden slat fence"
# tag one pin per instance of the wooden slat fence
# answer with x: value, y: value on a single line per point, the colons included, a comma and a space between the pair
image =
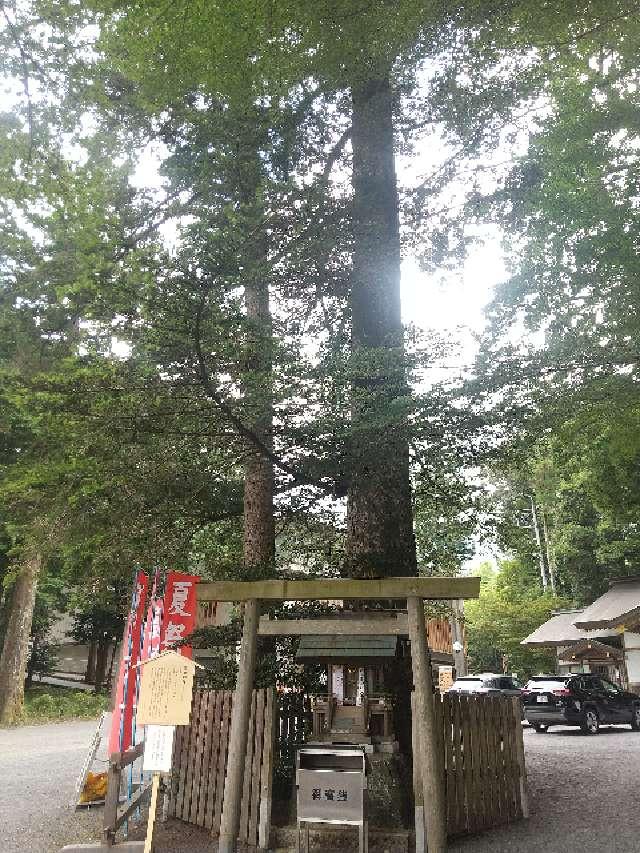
x: 295, y: 722
x: 484, y: 768
x: 200, y: 761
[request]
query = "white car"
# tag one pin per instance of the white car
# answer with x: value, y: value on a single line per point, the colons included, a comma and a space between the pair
x: 490, y: 683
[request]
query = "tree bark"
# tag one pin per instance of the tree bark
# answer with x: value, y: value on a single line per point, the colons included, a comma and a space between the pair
x: 259, y: 527
x: 90, y: 672
x: 550, y: 557
x: 380, y: 537
x: 102, y: 654
x: 15, y: 651
x: 541, y: 554
x: 457, y: 637
x: 112, y: 661
x: 257, y: 380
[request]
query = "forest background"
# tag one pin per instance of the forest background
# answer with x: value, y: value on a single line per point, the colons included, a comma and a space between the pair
x: 211, y: 373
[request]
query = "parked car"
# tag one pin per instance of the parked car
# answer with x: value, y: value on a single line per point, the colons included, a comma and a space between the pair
x: 586, y: 701
x: 488, y: 682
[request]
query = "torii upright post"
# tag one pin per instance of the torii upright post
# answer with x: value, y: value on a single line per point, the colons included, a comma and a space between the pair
x: 230, y: 820
x: 428, y: 740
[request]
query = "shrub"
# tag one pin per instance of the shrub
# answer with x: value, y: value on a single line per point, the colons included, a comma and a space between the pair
x: 47, y: 704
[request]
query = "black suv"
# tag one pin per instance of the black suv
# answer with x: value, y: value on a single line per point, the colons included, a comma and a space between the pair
x: 578, y: 700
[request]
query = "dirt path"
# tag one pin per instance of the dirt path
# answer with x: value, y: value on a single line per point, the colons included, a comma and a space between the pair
x: 584, y: 795
x: 38, y: 769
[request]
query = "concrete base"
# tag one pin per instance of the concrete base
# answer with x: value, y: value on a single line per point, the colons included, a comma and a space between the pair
x: 323, y: 837
x: 123, y: 847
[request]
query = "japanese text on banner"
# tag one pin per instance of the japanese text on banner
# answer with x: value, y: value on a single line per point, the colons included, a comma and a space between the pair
x: 179, y: 611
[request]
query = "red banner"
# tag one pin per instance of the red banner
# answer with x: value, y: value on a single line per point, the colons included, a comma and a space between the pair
x: 151, y: 642
x: 122, y: 720
x: 179, y: 611
x: 158, y: 609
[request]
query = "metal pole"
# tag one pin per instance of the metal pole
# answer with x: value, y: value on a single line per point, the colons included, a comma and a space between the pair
x: 230, y: 821
x: 429, y: 740
x: 457, y: 637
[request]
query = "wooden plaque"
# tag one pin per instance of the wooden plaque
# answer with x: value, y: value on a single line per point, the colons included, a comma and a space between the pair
x: 445, y: 678
x: 165, y: 691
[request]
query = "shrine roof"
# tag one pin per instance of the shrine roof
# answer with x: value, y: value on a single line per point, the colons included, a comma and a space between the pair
x: 561, y: 630
x: 332, y: 648
x: 619, y: 606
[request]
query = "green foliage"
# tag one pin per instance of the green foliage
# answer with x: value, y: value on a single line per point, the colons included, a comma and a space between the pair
x: 108, y: 461
x: 558, y: 369
x: 509, y: 608
x: 52, y: 704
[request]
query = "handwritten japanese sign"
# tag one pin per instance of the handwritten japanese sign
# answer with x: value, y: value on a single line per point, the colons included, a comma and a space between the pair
x: 158, y: 749
x: 165, y: 691
x: 335, y: 797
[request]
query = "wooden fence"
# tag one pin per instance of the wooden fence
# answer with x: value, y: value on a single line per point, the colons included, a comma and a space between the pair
x: 484, y: 769
x: 484, y: 772
x: 294, y: 724
x: 200, y: 761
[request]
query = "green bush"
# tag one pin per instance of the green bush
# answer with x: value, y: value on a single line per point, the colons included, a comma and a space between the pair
x: 47, y: 704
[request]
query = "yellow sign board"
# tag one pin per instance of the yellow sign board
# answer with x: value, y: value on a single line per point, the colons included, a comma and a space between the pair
x: 165, y: 691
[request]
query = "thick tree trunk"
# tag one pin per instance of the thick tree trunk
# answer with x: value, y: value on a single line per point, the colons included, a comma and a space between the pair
x: 15, y: 651
x: 90, y: 672
x: 259, y: 528
x: 257, y: 380
x: 380, y: 538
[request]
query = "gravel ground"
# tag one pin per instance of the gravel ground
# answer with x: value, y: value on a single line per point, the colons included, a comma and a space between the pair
x: 583, y: 792
x: 584, y: 796
x: 39, y: 766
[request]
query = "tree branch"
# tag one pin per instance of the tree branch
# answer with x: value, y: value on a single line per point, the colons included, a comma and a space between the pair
x: 243, y: 430
x: 336, y: 153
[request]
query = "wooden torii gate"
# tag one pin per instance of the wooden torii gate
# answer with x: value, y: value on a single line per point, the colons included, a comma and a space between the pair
x: 431, y: 812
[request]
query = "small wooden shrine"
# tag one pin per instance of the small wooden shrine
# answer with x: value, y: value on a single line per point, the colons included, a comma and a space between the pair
x: 356, y: 707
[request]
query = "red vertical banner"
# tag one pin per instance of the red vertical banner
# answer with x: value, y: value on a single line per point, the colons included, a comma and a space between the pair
x: 179, y: 617
x: 118, y: 705
x: 147, y: 642
x: 122, y: 721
